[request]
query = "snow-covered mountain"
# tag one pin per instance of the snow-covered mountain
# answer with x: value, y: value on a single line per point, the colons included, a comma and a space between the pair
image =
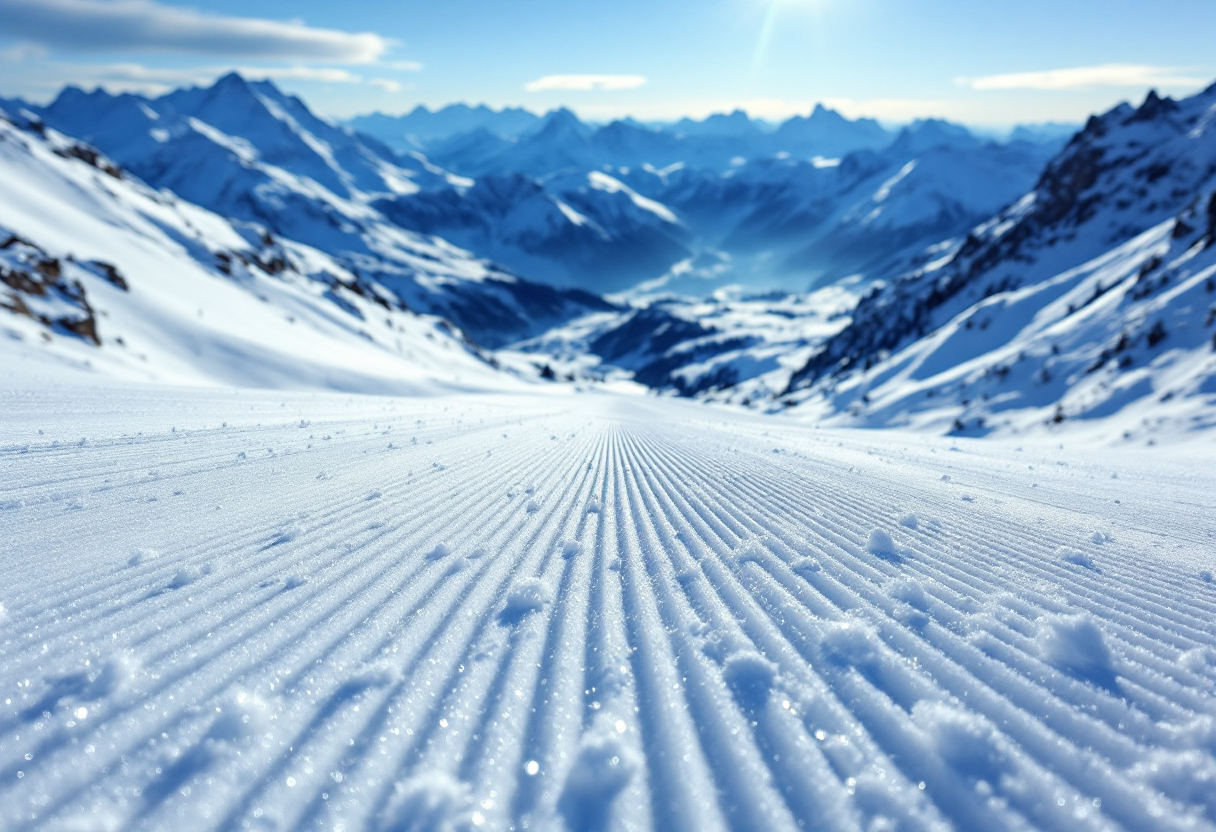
x: 101, y: 274
x: 1090, y: 296
x: 733, y: 346
x: 589, y: 230
x: 561, y: 142
x: 251, y: 153
x: 422, y: 127
x: 797, y: 223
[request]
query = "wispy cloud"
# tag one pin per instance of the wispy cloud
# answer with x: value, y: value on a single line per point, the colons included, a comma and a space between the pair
x: 23, y: 52
x: 147, y: 26
x: 386, y: 84
x: 49, y: 77
x: 1087, y: 77
x: 586, y: 82
x: 405, y: 66
x: 205, y: 75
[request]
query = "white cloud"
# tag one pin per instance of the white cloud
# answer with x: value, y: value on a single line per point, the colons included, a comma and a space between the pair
x: 23, y: 52
x: 386, y: 84
x: 405, y: 66
x: 1086, y: 77
x: 586, y: 82
x: 49, y: 77
x: 206, y: 75
x: 147, y: 26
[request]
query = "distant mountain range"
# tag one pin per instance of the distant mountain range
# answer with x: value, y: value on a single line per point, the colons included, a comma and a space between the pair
x: 960, y: 284
x: 1093, y: 294
x: 249, y: 152
x: 560, y: 202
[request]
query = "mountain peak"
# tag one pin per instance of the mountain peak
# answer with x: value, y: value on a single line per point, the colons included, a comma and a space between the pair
x: 230, y: 81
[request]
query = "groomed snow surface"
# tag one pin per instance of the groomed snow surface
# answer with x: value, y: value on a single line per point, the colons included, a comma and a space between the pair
x: 282, y: 611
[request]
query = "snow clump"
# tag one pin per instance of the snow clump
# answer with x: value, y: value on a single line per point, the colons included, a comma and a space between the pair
x: 1076, y: 645
x: 241, y: 716
x: 750, y: 677
x: 142, y: 556
x: 430, y: 802
x: 909, y: 520
x: 1075, y: 557
x: 525, y: 596
x: 603, y: 768
x: 966, y: 741
x: 880, y: 543
x: 440, y: 552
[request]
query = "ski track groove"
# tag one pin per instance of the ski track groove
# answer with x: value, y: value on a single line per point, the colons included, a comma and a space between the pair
x: 379, y: 663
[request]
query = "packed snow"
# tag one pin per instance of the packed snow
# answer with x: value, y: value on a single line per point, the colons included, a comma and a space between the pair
x: 689, y: 631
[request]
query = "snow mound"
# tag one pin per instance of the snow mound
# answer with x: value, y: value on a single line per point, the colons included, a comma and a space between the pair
x: 909, y: 520
x: 911, y: 592
x: 850, y: 643
x: 603, y: 768
x: 1076, y: 645
x: 806, y: 566
x: 750, y: 677
x: 966, y: 741
x: 142, y: 556
x: 440, y: 552
x: 593, y: 506
x: 1075, y: 557
x: 430, y: 802
x: 525, y: 596
x: 241, y: 716
x: 571, y: 548
x: 187, y: 575
x: 882, y: 545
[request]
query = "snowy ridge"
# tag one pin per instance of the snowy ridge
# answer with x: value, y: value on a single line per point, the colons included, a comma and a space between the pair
x: 248, y: 152
x: 590, y: 614
x: 1089, y: 297
x: 100, y: 274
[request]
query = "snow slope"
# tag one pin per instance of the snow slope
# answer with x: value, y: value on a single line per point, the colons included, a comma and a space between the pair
x: 102, y: 274
x: 1093, y: 296
x: 249, y: 152
x: 284, y: 611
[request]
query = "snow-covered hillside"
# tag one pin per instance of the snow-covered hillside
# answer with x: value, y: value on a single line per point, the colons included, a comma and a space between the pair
x: 101, y: 273
x: 272, y: 611
x: 587, y: 230
x: 1091, y: 296
x: 249, y: 152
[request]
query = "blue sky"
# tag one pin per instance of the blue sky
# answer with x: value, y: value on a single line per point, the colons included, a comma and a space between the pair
x: 976, y: 61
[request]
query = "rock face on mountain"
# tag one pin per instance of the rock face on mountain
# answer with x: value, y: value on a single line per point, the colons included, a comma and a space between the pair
x: 1072, y: 290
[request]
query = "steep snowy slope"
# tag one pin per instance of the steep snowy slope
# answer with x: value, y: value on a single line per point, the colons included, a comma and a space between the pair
x: 1088, y: 296
x: 249, y: 152
x: 102, y: 274
x: 586, y: 230
x: 269, y: 611
x: 796, y: 223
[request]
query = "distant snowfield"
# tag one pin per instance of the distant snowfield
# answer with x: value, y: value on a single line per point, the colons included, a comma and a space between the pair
x: 271, y: 610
